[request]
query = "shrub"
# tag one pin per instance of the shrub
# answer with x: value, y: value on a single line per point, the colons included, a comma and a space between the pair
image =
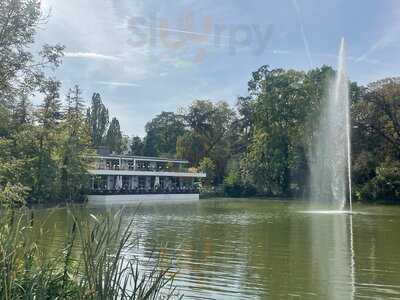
x: 384, y: 186
x: 235, y: 187
x: 13, y: 195
x: 102, y: 272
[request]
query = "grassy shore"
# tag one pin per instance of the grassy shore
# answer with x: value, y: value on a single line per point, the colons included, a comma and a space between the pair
x: 100, y: 271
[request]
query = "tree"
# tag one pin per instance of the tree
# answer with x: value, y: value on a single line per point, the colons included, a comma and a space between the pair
x: 137, y: 146
x: 163, y: 132
x: 208, y: 122
x: 5, y: 121
x: 378, y: 113
x: 20, y: 73
x: 207, y: 134
x: 125, y: 144
x: 41, y: 150
x: 49, y: 116
x: 150, y: 144
x: 22, y: 113
x: 13, y: 196
x: 207, y: 166
x: 279, y: 118
x: 114, y: 137
x: 376, y: 141
x: 281, y: 106
x: 49, y: 113
x: 244, y: 124
x: 73, y: 149
x: 98, y: 120
x: 234, y: 186
x: 77, y: 101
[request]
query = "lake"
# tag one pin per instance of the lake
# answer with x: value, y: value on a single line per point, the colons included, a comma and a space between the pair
x: 264, y: 249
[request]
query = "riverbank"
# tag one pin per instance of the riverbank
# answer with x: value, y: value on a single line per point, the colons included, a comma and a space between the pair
x: 88, y: 262
x: 255, y: 248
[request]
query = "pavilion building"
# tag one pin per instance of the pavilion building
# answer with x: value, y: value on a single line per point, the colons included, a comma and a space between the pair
x: 123, y: 177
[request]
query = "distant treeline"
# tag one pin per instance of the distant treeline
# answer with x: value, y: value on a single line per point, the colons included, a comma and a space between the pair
x: 260, y: 146
x: 263, y: 144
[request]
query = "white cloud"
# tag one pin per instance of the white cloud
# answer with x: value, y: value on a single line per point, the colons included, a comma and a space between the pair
x: 279, y: 51
x: 116, y: 83
x: 90, y: 55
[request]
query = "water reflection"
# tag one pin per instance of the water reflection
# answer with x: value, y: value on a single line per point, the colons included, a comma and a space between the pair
x: 333, y: 255
x: 256, y: 249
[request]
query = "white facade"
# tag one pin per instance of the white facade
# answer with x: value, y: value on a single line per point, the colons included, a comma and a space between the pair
x: 133, y: 177
x: 136, y: 199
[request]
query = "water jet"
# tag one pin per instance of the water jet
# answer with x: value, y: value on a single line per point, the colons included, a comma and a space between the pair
x: 331, y: 150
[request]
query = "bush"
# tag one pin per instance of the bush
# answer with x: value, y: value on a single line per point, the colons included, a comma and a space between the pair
x: 13, y: 195
x: 384, y: 186
x: 102, y: 272
x: 235, y: 187
x: 207, y: 166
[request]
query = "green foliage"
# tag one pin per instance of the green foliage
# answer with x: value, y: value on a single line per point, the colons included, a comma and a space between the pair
x: 208, y: 135
x: 13, y: 195
x: 278, y: 119
x: 114, y: 137
x: 73, y: 148
x: 281, y: 105
x: 4, y: 121
x: 22, y: 114
x: 235, y: 187
x: 100, y: 272
x: 98, y: 120
x: 137, y: 146
x: 378, y: 113
x: 31, y: 140
x: 207, y: 166
x: 162, y: 134
x: 48, y: 156
x: 384, y: 186
x: 376, y: 141
x: 271, y: 132
x: 21, y: 71
x: 150, y: 142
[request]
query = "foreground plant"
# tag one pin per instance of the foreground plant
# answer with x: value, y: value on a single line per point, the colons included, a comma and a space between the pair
x: 92, y: 265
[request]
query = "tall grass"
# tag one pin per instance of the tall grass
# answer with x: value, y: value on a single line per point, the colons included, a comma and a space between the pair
x: 92, y: 265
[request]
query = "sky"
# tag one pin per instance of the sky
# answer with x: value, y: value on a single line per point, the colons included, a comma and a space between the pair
x: 149, y: 56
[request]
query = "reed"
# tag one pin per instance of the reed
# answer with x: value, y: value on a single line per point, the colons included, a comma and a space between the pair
x: 93, y: 264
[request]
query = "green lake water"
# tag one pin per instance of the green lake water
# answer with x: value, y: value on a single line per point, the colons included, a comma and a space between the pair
x: 264, y: 249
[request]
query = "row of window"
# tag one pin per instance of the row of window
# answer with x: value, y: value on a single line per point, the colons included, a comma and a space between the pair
x: 140, y: 182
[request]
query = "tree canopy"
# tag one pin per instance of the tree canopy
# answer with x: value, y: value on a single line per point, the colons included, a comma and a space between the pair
x: 262, y: 145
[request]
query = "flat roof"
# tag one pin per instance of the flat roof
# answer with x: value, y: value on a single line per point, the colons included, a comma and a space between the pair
x: 147, y: 173
x: 142, y: 158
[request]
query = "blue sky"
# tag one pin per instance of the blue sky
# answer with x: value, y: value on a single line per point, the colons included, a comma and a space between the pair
x: 146, y: 56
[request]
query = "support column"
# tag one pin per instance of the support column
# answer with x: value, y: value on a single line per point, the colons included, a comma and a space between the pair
x: 109, y: 182
x: 147, y: 182
x: 135, y: 182
x: 168, y: 182
x: 118, y: 184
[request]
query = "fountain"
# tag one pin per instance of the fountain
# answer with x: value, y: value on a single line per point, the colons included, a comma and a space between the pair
x: 331, y: 152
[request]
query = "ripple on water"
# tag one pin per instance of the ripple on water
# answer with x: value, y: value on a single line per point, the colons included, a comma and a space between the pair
x: 271, y: 250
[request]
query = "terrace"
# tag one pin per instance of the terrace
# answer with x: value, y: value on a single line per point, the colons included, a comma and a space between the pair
x: 140, y: 163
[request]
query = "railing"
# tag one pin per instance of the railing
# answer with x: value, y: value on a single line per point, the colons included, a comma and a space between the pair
x: 142, y: 191
x: 138, y: 168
